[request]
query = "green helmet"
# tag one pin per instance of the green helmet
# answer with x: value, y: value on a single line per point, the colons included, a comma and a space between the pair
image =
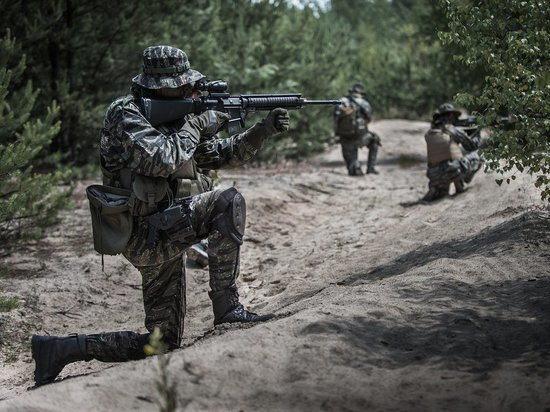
x: 165, y: 67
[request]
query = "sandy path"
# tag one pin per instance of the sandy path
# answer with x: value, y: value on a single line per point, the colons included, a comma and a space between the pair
x: 383, y: 303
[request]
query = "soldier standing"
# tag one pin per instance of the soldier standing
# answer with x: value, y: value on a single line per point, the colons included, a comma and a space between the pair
x: 351, y: 120
x: 452, y: 154
x: 162, y: 167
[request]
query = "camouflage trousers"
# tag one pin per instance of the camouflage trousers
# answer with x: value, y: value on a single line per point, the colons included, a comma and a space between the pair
x: 458, y: 171
x: 350, y: 149
x: 162, y: 268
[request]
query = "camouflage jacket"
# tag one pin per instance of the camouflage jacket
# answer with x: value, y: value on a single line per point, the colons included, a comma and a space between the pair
x: 131, y: 147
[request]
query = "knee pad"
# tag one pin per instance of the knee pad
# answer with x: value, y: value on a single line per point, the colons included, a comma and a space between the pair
x: 230, y: 215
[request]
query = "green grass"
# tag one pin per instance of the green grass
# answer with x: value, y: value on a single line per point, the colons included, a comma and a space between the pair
x: 7, y: 304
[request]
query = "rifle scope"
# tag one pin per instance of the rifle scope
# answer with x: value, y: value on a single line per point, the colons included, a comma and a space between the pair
x: 214, y: 86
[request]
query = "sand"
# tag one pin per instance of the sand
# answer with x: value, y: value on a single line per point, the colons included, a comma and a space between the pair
x: 383, y: 303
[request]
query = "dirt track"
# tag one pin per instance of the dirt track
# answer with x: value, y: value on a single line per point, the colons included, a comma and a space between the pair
x: 382, y: 303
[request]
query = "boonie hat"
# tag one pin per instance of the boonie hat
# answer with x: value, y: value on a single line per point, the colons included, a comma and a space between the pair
x: 446, y: 108
x: 358, y: 88
x: 165, y: 67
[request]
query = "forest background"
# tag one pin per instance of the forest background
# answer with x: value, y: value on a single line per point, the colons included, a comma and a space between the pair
x: 64, y: 61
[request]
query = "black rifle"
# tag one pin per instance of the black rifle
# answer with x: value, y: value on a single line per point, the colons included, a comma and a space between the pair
x: 175, y: 221
x: 159, y: 111
x: 471, y: 127
x: 472, y: 121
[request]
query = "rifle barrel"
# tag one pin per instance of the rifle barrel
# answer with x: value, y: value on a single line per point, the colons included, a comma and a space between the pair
x: 334, y: 102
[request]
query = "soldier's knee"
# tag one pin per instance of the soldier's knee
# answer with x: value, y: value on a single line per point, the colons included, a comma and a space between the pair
x: 230, y: 215
x: 374, y: 141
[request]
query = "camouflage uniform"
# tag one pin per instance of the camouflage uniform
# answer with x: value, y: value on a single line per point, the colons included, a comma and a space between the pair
x: 452, y: 154
x: 165, y: 166
x: 351, y: 120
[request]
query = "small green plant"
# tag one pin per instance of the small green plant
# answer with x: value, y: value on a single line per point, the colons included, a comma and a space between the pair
x: 7, y: 304
x: 166, y: 387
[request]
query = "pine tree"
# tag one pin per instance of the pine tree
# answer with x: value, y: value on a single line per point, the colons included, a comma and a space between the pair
x: 28, y: 200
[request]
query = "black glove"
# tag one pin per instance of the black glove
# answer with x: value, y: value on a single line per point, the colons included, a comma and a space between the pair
x: 206, y: 124
x: 277, y: 121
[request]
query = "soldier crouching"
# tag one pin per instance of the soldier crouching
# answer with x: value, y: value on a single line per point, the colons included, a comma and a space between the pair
x: 163, y: 168
x: 452, y: 154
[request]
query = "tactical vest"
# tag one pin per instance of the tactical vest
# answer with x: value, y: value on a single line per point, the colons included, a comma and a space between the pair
x: 441, y: 147
x: 354, y: 123
x: 148, y: 192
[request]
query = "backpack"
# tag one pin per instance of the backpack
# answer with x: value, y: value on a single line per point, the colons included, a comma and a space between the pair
x: 351, y: 122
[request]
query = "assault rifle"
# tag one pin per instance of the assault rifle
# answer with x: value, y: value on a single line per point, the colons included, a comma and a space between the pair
x: 471, y: 122
x: 160, y: 111
x: 471, y: 127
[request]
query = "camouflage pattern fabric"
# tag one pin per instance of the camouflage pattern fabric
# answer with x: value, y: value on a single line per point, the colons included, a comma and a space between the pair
x: 354, y: 103
x: 355, y: 106
x: 350, y: 149
x: 129, y: 141
x: 164, y: 284
x: 165, y: 67
x: 442, y: 174
x: 116, y: 346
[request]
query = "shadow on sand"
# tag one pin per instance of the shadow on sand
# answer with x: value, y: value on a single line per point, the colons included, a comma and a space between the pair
x: 468, y: 327
x: 530, y: 228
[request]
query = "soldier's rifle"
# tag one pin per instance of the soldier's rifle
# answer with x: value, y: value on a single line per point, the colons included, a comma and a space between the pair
x: 470, y: 124
x: 472, y: 121
x: 160, y: 111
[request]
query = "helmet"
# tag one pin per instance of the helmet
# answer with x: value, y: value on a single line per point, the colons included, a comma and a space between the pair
x: 358, y: 88
x: 444, y: 109
x: 165, y: 67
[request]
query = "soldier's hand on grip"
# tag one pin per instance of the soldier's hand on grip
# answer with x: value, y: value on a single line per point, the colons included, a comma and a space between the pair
x: 277, y: 121
x: 206, y: 124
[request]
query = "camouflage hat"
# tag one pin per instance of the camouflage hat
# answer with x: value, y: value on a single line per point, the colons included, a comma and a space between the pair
x: 446, y: 108
x: 358, y: 88
x: 165, y: 67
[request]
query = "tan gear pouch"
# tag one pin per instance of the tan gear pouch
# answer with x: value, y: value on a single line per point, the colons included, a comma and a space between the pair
x: 112, y: 220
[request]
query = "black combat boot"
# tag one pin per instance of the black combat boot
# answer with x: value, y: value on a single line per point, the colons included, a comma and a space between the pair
x: 436, y: 193
x: 52, y: 353
x: 355, y: 169
x: 228, y: 309
x: 371, y: 161
x: 459, y: 186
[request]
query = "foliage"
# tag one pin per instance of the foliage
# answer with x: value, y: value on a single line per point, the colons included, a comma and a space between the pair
x: 166, y: 387
x: 7, y: 304
x: 399, y: 57
x: 84, y: 54
x: 511, y: 40
x: 27, y: 200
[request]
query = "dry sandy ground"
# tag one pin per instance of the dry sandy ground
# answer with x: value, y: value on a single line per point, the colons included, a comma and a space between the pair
x: 382, y: 303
